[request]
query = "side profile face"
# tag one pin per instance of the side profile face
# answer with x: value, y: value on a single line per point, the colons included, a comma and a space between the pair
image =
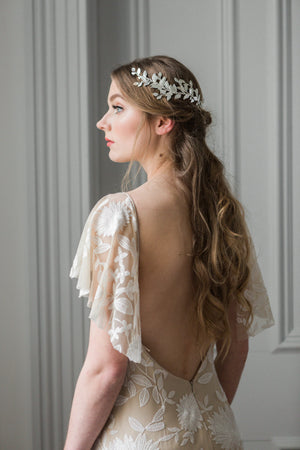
x: 121, y: 125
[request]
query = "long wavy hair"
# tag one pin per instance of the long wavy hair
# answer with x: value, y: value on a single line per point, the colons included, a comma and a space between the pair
x: 221, y: 242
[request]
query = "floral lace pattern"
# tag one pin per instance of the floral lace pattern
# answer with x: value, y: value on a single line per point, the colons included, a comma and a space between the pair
x: 155, y: 409
x: 159, y: 410
x: 106, y: 264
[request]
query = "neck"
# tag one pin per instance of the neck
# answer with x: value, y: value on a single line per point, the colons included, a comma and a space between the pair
x: 165, y: 169
x: 157, y: 161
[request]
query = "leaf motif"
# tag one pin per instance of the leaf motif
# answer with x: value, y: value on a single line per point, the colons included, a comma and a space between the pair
x: 121, y: 400
x: 155, y: 426
x: 166, y: 438
x: 204, y: 379
x: 136, y: 425
x: 171, y: 394
x: 141, y: 380
x: 102, y: 248
x: 159, y: 414
x: 131, y: 388
x: 144, y: 397
x: 170, y: 401
x: 203, y: 365
x: 160, y: 382
x: 221, y: 396
x: 155, y: 395
x: 123, y: 305
x: 164, y: 394
x: 124, y: 242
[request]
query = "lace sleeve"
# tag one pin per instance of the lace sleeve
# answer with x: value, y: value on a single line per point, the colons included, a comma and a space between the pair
x: 106, y: 265
x: 257, y: 295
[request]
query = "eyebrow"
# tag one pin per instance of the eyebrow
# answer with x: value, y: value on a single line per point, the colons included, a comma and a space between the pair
x: 112, y: 97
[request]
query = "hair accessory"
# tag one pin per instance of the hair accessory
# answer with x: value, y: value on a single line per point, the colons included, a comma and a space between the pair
x: 180, y: 89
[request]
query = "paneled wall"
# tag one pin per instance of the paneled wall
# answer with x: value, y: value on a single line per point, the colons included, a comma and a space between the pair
x: 15, y: 357
x: 245, y: 54
x: 59, y: 204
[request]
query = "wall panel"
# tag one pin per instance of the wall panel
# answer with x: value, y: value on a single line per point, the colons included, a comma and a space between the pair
x: 60, y: 204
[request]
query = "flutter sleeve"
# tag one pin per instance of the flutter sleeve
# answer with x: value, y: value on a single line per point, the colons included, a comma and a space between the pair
x: 256, y: 293
x: 106, y: 265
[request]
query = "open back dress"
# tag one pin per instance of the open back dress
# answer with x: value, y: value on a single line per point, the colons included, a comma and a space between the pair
x: 155, y: 409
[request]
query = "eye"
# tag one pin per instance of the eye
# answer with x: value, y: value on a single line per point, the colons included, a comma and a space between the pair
x: 117, y: 109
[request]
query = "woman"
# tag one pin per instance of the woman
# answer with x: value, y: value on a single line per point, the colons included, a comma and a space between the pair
x: 169, y: 271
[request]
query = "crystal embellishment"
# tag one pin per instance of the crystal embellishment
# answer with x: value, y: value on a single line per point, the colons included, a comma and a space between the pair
x: 181, y: 89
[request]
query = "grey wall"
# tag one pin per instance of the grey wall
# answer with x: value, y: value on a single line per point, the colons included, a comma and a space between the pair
x: 15, y: 357
x: 112, y: 40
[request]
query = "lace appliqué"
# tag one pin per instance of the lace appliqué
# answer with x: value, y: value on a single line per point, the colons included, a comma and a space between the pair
x: 106, y: 264
x: 257, y: 295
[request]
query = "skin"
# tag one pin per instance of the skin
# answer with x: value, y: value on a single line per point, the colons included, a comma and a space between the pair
x: 165, y: 246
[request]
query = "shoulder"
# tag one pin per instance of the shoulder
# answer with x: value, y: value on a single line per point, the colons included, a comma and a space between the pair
x: 112, y: 213
x: 156, y: 206
x: 150, y: 202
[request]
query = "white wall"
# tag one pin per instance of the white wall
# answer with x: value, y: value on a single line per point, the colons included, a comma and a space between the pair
x: 15, y: 357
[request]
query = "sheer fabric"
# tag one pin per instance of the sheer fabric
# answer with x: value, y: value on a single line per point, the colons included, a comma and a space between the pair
x: 155, y: 409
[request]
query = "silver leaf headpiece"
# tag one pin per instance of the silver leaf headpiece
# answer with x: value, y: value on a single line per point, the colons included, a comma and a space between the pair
x: 181, y: 89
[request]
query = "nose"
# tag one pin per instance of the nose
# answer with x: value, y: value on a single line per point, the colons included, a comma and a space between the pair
x: 102, y: 123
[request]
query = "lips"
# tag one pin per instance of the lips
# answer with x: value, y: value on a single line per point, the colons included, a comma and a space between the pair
x: 109, y: 141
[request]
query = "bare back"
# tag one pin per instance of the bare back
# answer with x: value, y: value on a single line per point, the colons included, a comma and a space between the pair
x: 166, y: 279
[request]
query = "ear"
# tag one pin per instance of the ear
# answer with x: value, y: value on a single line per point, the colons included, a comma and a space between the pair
x: 163, y: 125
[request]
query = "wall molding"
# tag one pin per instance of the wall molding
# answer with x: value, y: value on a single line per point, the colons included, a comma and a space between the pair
x: 229, y: 135
x: 139, y: 28
x: 286, y: 443
x: 281, y: 140
x: 59, y: 203
x: 139, y: 47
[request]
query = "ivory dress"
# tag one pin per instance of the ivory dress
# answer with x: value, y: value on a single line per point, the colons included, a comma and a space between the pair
x: 155, y: 409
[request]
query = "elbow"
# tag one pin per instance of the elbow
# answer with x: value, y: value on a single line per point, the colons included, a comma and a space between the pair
x: 114, y: 374
x: 111, y: 375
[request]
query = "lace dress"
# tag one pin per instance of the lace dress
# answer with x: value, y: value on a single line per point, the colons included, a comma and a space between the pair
x: 155, y: 409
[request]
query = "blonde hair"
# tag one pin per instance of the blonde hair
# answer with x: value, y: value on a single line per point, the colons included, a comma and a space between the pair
x: 221, y: 243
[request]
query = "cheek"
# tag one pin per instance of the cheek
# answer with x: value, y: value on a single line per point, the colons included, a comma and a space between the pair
x: 128, y: 125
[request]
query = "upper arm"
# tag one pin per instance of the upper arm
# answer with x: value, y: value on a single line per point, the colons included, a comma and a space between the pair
x: 101, y: 355
x: 106, y: 265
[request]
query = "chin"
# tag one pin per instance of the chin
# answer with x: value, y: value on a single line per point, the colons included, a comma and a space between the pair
x: 118, y: 158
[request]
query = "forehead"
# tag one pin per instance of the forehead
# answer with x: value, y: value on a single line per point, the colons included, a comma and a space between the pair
x: 114, y: 91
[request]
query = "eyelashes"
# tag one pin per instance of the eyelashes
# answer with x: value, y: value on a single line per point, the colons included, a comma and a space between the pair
x: 117, y: 109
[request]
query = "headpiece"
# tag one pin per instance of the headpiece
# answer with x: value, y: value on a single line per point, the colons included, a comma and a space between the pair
x: 180, y: 89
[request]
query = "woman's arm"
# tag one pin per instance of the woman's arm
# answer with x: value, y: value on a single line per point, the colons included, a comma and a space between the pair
x: 230, y: 370
x: 97, y: 388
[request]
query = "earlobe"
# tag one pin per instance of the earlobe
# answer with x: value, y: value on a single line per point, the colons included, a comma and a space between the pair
x: 164, y: 125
